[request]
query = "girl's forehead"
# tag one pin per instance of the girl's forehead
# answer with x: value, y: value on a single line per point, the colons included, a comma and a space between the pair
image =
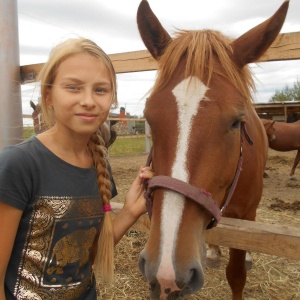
x: 84, y: 65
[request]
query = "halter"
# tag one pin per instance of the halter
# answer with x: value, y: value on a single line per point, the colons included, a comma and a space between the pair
x: 200, y: 196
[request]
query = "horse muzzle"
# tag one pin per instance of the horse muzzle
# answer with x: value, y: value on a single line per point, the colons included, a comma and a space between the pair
x: 172, y: 284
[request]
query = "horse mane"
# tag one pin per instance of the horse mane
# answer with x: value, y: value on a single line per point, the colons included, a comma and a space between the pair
x: 203, y: 49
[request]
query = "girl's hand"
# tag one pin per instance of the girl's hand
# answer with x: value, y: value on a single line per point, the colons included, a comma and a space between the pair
x: 135, y: 202
x: 134, y: 206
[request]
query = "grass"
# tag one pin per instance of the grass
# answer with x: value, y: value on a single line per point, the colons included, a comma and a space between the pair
x: 123, y: 146
x: 28, y: 132
x: 128, y: 146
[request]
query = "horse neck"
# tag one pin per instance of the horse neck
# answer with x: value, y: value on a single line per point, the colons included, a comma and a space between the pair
x: 269, y: 130
x: 39, y: 125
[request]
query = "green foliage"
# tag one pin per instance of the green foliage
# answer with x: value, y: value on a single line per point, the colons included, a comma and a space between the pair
x: 28, y: 132
x: 140, y: 127
x: 287, y: 93
x: 123, y: 146
x: 296, y: 91
x: 128, y: 146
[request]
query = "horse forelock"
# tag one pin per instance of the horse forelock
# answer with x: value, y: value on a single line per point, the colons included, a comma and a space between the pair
x: 203, y: 50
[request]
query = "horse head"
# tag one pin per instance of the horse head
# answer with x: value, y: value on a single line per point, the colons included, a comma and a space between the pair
x: 270, y: 130
x: 202, y: 123
x: 39, y: 125
x: 108, y: 134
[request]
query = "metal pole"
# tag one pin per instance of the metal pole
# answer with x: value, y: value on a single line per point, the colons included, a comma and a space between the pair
x: 11, y: 123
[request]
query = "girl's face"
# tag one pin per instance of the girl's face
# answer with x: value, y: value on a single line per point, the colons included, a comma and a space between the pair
x: 81, y: 94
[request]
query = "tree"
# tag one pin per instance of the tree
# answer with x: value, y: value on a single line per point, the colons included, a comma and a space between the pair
x: 287, y: 93
x: 296, y: 91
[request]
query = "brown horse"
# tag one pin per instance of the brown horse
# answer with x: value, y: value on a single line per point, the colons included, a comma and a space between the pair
x: 38, y: 124
x: 217, y: 149
x: 284, y: 137
x: 109, y: 135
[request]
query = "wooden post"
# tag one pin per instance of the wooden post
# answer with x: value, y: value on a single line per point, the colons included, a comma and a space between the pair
x: 285, y: 113
x: 11, y: 123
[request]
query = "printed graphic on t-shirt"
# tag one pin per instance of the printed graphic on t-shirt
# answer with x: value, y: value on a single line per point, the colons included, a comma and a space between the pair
x: 55, y: 261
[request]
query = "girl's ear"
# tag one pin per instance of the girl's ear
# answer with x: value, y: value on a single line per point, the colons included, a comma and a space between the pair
x: 48, y: 97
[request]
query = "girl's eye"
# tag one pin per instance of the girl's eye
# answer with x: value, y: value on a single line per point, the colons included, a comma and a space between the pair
x: 72, y: 87
x: 100, y: 91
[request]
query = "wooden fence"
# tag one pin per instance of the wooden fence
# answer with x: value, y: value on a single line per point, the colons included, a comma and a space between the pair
x: 276, y: 240
x: 285, y: 47
x: 283, y: 241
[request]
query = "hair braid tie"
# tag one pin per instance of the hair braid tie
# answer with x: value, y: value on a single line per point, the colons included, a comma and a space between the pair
x: 107, y: 207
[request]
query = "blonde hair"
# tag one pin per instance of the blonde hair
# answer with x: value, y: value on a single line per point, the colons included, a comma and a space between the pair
x: 104, y: 261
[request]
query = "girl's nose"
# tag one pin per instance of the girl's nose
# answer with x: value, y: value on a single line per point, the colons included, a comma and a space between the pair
x: 87, y: 99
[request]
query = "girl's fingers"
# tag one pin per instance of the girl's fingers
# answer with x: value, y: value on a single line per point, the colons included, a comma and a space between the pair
x: 146, y: 173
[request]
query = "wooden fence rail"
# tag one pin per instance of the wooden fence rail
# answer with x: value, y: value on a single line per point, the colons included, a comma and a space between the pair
x: 285, y: 47
x: 282, y: 241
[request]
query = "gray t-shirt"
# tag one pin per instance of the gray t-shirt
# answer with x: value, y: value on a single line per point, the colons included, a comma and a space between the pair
x: 62, y: 211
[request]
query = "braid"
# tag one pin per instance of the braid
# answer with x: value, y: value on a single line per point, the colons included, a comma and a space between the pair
x: 99, y: 155
x: 104, y: 261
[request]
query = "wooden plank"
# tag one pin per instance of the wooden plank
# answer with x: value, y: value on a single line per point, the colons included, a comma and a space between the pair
x: 126, y: 119
x: 285, y: 47
x: 275, y: 240
x: 277, y: 105
x: 133, y: 61
x: 278, y: 240
x: 142, y: 224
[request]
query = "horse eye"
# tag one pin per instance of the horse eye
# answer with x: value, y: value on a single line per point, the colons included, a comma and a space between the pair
x: 236, y: 123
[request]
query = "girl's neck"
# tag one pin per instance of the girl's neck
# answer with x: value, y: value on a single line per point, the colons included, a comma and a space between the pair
x: 71, y: 149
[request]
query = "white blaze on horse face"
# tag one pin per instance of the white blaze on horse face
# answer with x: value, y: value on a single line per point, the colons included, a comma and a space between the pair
x: 188, y: 95
x: 40, y: 121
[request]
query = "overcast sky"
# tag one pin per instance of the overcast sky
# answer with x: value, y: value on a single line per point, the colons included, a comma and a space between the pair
x: 112, y: 25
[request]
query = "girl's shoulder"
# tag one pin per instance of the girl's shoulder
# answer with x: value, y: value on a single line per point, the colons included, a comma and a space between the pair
x: 20, y: 152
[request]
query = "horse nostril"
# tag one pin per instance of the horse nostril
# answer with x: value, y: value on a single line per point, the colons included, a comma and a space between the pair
x: 197, y: 279
x: 142, y: 263
x: 193, y: 282
x: 152, y: 286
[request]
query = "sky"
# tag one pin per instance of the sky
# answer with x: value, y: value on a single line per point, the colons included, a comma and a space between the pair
x: 112, y: 25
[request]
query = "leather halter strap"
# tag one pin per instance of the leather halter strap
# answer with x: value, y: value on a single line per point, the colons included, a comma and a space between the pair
x: 200, y: 196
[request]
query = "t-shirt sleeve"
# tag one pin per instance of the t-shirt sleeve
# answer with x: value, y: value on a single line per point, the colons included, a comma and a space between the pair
x: 15, y: 178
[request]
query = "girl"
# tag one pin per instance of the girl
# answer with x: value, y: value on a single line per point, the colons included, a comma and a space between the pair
x: 56, y: 233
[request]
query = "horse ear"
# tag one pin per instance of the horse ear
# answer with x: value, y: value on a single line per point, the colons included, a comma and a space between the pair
x: 154, y: 36
x: 32, y: 105
x: 252, y: 44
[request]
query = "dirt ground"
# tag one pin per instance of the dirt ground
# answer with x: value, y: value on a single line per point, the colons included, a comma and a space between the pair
x: 271, y: 277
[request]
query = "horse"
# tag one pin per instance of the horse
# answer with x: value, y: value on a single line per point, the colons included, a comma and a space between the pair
x: 284, y: 137
x: 214, y: 251
x: 212, y: 164
x: 108, y: 134
x: 38, y: 124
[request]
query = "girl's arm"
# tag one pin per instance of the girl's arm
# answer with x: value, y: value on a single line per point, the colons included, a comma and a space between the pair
x: 9, y: 223
x: 134, y: 206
